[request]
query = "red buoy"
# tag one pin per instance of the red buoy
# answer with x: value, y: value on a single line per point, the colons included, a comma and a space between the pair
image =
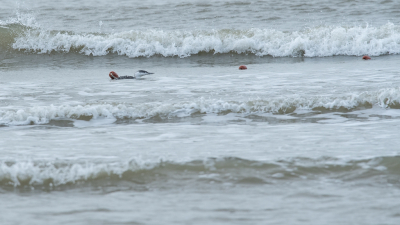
x: 113, y: 75
x: 242, y: 67
x: 365, y: 57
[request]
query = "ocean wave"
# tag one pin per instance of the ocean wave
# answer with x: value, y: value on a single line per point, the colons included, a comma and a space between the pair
x: 319, y: 41
x: 52, y: 174
x: 384, y: 98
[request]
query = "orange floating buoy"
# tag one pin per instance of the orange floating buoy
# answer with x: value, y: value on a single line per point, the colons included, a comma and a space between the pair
x: 242, y: 67
x: 113, y: 75
x: 365, y: 57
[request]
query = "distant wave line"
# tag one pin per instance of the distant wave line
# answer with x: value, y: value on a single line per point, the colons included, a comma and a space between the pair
x: 318, y: 41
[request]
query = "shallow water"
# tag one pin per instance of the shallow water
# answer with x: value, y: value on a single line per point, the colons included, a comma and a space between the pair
x: 306, y: 135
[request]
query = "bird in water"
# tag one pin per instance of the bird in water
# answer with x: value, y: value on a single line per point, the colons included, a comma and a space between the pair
x: 140, y: 73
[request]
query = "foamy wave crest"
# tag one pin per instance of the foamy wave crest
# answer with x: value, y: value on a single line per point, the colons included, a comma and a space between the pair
x: 39, y: 173
x: 312, y: 42
x: 385, y: 98
x: 49, y: 174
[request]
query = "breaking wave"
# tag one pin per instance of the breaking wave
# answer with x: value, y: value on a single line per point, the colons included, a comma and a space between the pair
x: 384, y: 98
x: 318, y: 41
x: 71, y: 174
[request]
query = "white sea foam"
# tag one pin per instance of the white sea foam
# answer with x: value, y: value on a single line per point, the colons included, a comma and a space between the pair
x: 384, y: 98
x: 25, y: 19
x: 28, y: 172
x: 312, y: 42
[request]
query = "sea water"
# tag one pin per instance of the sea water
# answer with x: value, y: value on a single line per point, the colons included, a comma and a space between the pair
x: 308, y: 134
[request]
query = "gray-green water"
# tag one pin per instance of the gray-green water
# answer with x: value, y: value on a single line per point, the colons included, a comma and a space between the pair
x: 307, y: 135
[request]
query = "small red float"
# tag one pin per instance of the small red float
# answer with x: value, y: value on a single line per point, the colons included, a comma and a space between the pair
x: 113, y: 75
x: 242, y: 67
x: 365, y: 57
